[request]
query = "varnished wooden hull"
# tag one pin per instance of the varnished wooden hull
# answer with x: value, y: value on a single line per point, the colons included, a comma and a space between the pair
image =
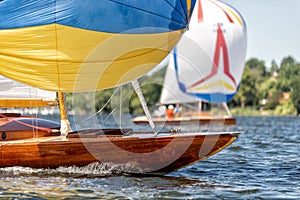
x: 135, y: 153
x: 199, y: 120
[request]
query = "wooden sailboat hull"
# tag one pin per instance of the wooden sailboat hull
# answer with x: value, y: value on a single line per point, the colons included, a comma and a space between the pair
x: 200, y: 120
x: 135, y: 153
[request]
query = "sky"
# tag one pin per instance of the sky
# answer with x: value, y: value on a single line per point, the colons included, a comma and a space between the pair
x: 273, y: 28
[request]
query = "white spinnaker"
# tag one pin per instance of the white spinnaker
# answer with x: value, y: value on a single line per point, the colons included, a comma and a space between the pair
x: 209, y: 59
x: 171, y: 93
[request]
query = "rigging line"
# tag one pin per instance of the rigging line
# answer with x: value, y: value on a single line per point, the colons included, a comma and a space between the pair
x: 99, y: 111
x: 36, y: 113
x: 120, y: 107
x: 178, y: 22
x: 49, y: 130
x: 103, y: 121
x: 31, y: 106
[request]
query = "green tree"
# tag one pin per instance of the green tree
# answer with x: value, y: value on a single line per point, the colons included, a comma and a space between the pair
x: 295, y: 88
x: 253, y: 76
x: 101, y: 99
x: 247, y: 93
x: 286, y: 72
x: 286, y: 62
x: 273, y: 99
x: 80, y: 102
x: 258, y: 68
x: 296, y: 95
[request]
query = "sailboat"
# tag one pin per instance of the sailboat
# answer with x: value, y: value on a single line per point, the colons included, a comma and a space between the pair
x: 79, y: 46
x: 206, y: 66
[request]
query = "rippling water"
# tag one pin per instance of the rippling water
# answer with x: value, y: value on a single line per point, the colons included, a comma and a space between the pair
x: 263, y: 164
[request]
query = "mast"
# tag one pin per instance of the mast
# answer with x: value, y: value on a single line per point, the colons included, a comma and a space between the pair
x: 65, y: 127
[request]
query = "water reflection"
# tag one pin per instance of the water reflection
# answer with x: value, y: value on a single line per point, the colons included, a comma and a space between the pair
x: 30, y: 183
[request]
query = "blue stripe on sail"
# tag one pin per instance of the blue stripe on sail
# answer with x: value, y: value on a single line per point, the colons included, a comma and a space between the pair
x: 214, y: 98
x: 180, y: 84
x: 175, y: 61
x: 113, y: 16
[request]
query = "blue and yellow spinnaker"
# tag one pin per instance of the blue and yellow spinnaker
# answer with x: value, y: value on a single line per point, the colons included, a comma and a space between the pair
x: 74, y: 46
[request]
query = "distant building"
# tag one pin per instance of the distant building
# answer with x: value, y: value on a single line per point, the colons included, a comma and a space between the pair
x: 275, y: 75
x: 285, y: 96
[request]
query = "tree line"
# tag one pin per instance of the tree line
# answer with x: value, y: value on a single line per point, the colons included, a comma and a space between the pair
x: 276, y: 88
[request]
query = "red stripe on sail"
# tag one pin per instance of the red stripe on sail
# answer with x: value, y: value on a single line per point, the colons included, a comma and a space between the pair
x: 219, y: 44
x: 227, y: 15
x: 200, y: 12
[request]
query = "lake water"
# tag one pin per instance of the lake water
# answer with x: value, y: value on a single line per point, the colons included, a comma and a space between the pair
x: 264, y: 163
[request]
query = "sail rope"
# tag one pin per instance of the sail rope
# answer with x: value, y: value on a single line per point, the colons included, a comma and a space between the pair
x: 36, y: 113
x: 120, y: 106
x: 139, y: 93
x: 101, y: 109
x: 34, y: 127
x: 49, y: 130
